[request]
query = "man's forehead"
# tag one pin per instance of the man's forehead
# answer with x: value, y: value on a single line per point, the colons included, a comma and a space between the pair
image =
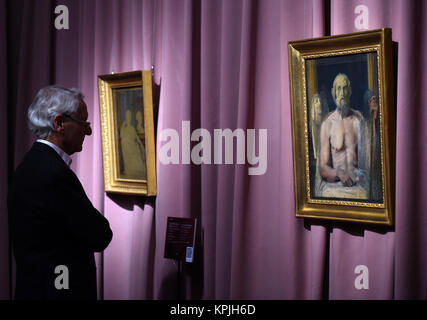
x: 341, y: 80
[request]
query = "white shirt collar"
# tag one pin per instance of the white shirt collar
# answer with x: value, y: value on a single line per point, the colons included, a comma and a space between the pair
x: 59, y: 151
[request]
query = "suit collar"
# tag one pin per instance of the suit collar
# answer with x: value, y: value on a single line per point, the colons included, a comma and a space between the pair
x: 64, y: 156
x: 48, y: 150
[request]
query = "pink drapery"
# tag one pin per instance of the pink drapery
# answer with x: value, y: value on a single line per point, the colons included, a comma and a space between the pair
x: 221, y: 64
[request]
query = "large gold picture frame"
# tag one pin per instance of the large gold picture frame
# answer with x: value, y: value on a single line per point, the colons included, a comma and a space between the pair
x: 127, y: 127
x: 343, y: 127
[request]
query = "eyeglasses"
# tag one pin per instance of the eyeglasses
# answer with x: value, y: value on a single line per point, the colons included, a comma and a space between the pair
x: 85, y: 123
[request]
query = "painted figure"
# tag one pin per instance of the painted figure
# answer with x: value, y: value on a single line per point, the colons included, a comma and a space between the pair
x: 133, y: 150
x: 139, y: 123
x: 343, y: 144
x: 316, y: 115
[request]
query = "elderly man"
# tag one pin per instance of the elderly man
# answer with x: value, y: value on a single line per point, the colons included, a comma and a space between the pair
x: 54, y: 227
x: 339, y: 138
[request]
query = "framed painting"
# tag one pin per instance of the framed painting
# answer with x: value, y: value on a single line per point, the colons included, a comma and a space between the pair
x: 343, y: 127
x: 127, y: 127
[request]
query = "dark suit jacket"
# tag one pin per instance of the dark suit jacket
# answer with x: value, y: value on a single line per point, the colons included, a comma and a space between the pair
x: 53, y: 223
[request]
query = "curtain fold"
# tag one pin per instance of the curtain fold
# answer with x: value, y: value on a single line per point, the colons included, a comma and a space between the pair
x: 355, y: 246
x: 4, y: 159
x: 393, y: 257
x: 27, y: 30
x: 411, y: 155
x: 111, y: 44
x: 220, y: 65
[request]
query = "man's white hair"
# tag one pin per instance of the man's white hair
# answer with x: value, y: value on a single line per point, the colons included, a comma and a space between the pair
x: 49, y: 102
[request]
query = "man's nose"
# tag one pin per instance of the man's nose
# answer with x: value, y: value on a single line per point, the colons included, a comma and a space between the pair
x: 88, y: 131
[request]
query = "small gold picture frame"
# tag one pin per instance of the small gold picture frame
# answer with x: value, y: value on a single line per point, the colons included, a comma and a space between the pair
x: 343, y: 127
x: 127, y: 128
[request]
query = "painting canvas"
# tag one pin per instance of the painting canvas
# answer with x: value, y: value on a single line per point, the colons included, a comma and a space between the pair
x: 130, y: 135
x: 343, y: 126
x: 344, y: 132
x: 126, y: 109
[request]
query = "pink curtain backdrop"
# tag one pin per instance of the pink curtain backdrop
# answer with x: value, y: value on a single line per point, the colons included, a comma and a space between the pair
x: 220, y: 64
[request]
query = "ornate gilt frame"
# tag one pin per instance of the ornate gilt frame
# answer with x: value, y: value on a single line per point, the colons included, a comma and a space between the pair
x: 300, y: 53
x: 109, y: 129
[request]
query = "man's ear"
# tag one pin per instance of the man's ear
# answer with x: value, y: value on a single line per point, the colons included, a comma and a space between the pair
x: 58, y: 123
